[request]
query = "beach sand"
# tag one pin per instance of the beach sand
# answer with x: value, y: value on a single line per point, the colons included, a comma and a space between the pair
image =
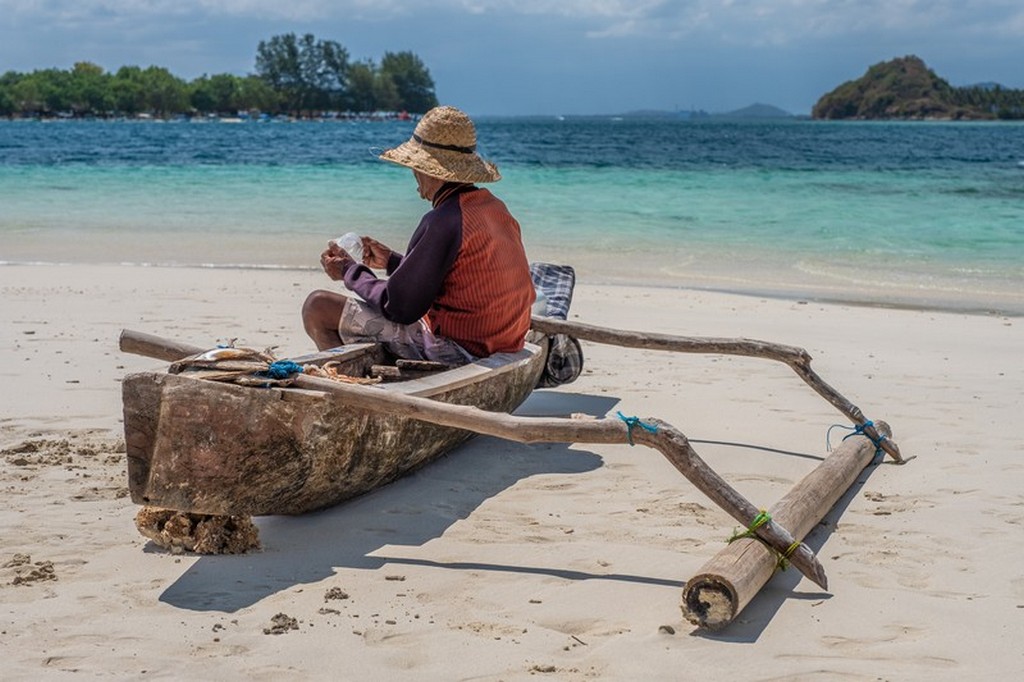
x: 504, y: 561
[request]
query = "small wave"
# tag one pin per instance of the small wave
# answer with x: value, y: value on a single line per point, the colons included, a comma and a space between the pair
x: 147, y: 264
x: 218, y: 266
x: 29, y: 262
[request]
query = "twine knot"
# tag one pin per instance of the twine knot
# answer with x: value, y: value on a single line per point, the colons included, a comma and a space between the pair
x: 635, y: 421
x: 281, y: 369
x: 763, y: 517
x: 857, y: 430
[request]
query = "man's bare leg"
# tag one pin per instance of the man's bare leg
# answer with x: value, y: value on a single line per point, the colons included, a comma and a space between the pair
x: 320, y: 316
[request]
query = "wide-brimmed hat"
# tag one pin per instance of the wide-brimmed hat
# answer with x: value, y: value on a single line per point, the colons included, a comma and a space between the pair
x: 444, y: 146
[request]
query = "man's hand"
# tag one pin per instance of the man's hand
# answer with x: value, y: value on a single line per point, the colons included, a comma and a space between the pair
x: 334, y: 261
x: 375, y: 254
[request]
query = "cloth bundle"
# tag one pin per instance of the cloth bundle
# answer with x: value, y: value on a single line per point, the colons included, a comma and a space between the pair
x: 565, y: 356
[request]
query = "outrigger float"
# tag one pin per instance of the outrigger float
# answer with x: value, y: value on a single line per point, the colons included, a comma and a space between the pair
x: 324, y: 431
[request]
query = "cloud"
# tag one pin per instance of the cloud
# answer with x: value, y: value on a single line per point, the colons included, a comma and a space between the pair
x: 780, y: 22
x: 77, y: 12
x: 746, y: 22
x: 730, y: 22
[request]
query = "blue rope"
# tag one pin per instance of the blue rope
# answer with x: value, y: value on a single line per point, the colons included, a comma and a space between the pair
x: 282, y: 369
x: 855, y: 431
x: 635, y: 421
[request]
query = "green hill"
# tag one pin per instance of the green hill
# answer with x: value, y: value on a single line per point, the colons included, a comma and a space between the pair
x: 906, y: 88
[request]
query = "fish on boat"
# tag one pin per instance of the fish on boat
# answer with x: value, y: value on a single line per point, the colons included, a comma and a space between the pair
x: 211, y: 447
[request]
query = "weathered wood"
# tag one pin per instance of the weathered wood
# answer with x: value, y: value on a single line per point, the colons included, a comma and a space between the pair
x: 665, y: 438
x: 724, y: 585
x: 422, y: 365
x: 151, y: 346
x: 390, y: 371
x: 408, y: 369
x: 367, y: 352
x: 798, y: 359
x: 214, y: 448
x: 658, y: 435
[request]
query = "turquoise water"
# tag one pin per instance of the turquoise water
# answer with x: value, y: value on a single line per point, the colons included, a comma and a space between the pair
x: 898, y: 213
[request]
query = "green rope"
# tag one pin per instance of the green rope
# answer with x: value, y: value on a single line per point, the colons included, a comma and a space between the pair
x: 783, y: 563
x: 763, y: 517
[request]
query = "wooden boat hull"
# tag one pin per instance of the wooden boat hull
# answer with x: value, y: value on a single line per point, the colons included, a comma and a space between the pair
x: 218, y: 448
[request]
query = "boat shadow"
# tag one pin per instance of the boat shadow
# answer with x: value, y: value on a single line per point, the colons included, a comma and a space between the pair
x: 420, y: 507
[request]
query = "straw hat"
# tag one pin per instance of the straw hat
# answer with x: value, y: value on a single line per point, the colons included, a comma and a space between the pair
x: 444, y: 146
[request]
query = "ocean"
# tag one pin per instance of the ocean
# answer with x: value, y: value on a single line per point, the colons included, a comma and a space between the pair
x: 926, y: 214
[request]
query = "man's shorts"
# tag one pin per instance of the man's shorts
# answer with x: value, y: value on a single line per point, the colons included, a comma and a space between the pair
x: 360, y: 323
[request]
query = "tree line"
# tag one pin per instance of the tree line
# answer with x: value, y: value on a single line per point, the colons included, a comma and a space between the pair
x: 297, y: 76
x: 1003, y: 103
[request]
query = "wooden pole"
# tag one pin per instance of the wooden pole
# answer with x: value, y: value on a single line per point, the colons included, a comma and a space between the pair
x: 653, y: 433
x: 798, y: 359
x: 732, y: 578
x: 151, y: 346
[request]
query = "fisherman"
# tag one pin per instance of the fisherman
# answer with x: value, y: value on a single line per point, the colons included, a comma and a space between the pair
x: 463, y: 288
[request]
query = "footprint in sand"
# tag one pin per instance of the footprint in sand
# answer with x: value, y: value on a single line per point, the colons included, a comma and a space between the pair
x: 893, y: 504
x: 892, y: 632
x: 905, y: 560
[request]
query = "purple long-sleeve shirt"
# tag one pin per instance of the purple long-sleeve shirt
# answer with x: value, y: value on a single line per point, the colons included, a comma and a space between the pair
x: 414, y: 280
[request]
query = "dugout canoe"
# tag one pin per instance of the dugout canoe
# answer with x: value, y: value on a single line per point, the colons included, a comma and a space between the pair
x: 209, y: 447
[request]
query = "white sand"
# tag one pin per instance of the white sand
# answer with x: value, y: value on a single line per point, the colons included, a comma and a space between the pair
x: 524, y: 562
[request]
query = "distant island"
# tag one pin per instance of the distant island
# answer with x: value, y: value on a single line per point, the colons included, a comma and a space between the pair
x: 900, y: 89
x: 754, y: 111
x: 906, y: 89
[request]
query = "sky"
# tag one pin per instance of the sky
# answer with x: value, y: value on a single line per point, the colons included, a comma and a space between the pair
x: 548, y: 57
